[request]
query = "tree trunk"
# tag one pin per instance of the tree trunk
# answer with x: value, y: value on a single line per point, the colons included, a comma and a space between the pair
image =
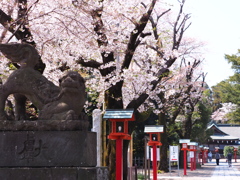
x: 113, y: 101
x: 163, y: 152
x: 188, y: 126
x: 111, y: 159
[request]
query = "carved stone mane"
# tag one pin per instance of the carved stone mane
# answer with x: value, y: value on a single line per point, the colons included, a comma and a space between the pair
x: 55, y: 103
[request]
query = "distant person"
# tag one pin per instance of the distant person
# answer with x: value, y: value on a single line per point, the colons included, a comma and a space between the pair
x: 229, y: 158
x: 210, y: 156
x: 217, y: 156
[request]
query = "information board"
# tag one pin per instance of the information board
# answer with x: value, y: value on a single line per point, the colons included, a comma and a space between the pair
x: 173, y: 153
x: 191, y: 155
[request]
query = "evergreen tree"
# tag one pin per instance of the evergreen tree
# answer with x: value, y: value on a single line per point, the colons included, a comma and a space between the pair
x: 228, y: 91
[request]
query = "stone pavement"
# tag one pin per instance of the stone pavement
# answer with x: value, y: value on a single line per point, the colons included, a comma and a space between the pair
x: 209, y: 171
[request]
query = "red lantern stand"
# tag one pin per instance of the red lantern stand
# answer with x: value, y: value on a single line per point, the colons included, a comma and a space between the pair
x: 119, y: 136
x: 151, y: 130
x: 235, y: 153
x: 195, y: 157
x: 202, y: 152
x: 184, y: 143
x: 199, y: 154
x: 192, y: 149
x: 204, y: 155
x: 191, y: 158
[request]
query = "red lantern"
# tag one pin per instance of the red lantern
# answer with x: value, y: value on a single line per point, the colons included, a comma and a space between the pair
x: 119, y: 117
x: 184, y: 143
x: 154, y: 142
x: 192, y: 149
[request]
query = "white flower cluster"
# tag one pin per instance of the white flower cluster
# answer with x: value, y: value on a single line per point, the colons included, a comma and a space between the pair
x: 65, y: 30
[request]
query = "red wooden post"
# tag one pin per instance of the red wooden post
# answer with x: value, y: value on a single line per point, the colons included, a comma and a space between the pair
x: 185, y: 162
x: 191, y: 155
x: 195, y: 158
x: 235, y: 156
x: 192, y: 150
x: 235, y: 153
x: 184, y: 149
x: 119, y: 143
x: 191, y: 162
x: 154, y: 162
x: 205, y: 155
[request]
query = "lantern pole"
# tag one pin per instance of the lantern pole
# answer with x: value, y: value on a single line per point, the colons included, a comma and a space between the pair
x: 154, y: 142
x: 185, y: 163
x: 192, y: 150
x: 184, y: 143
x: 202, y: 152
x: 154, y: 162
x: 121, y: 116
x: 235, y: 153
x: 195, y: 157
x: 204, y: 155
x: 119, y: 143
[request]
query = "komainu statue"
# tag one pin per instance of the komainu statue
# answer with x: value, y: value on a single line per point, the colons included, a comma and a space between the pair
x: 54, y: 103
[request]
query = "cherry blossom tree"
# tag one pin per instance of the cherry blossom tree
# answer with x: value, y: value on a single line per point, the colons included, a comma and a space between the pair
x: 126, y: 48
x: 220, y: 115
x: 183, y: 90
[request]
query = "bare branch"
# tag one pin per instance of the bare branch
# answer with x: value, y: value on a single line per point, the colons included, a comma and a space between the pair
x: 132, y: 45
x: 90, y: 63
x: 179, y: 30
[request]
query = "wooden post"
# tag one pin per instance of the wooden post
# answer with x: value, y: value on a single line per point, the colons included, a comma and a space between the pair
x: 154, y: 162
x: 235, y: 156
x: 119, y: 143
x: 185, y: 161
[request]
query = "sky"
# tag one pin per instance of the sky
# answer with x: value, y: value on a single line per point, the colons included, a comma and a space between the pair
x: 217, y: 23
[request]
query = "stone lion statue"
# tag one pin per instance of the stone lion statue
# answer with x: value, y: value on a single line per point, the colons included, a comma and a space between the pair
x: 63, y: 102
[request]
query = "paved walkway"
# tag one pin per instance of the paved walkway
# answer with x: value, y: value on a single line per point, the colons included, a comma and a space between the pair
x: 209, y: 171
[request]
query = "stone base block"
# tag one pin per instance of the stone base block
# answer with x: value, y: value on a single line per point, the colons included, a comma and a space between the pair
x: 54, y: 173
x: 47, y: 149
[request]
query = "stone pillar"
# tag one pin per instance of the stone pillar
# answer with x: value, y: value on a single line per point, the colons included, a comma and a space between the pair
x: 97, y: 127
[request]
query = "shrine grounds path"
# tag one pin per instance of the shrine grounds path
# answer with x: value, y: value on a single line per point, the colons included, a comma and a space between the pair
x: 209, y: 171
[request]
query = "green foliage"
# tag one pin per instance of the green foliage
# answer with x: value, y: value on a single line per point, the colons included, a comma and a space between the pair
x: 140, y: 176
x: 227, y: 149
x: 200, y: 124
x: 234, y: 116
x: 223, y: 92
x: 92, y: 99
x: 229, y: 90
x: 235, y: 61
x: 12, y: 66
x: 160, y: 172
x: 202, y: 117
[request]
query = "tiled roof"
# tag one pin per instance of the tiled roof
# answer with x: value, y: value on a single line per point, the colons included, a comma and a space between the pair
x: 220, y: 137
x: 216, y: 128
x: 225, y: 131
x: 231, y: 130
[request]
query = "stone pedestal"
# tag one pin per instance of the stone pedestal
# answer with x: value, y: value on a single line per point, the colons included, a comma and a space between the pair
x: 29, y: 150
x: 54, y: 173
